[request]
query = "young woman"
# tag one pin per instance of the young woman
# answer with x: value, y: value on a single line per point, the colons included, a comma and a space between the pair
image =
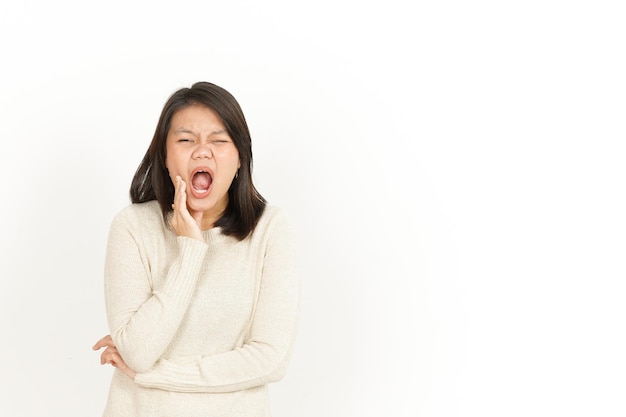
x: 201, y: 285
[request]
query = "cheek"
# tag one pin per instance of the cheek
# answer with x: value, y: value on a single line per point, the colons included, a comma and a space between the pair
x: 171, y: 169
x: 235, y: 165
x: 173, y: 163
x: 237, y: 160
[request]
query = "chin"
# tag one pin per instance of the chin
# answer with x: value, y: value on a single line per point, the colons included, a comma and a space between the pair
x: 200, y: 205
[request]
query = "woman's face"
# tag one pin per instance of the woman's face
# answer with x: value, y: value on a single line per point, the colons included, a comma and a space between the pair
x: 199, y: 150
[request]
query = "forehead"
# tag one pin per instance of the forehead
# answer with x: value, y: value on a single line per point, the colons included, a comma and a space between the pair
x: 197, y: 119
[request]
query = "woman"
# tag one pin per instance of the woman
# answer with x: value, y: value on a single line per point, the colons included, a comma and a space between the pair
x: 201, y: 287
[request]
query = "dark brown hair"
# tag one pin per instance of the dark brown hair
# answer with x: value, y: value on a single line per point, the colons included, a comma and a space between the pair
x: 152, y: 180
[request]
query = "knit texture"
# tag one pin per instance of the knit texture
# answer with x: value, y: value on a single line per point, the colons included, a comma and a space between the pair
x: 206, y: 325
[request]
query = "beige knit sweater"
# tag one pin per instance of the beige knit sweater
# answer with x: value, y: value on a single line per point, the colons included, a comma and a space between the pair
x: 206, y: 326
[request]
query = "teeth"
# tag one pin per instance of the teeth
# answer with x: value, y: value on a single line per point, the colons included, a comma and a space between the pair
x: 200, y: 191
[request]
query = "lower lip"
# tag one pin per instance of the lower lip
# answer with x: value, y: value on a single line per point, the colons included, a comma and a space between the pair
x: 205, y: 194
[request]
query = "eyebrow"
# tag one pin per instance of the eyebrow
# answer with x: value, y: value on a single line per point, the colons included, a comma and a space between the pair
x: 182, y: 130
x: 186, y: 130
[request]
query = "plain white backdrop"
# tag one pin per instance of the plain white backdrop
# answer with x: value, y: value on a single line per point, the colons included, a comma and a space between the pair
x: 455, y: 172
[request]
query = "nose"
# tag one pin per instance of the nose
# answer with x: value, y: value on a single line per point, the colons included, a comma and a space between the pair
x: 203, y: 151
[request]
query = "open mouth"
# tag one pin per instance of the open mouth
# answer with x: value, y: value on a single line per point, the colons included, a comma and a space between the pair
x: 201, y: 181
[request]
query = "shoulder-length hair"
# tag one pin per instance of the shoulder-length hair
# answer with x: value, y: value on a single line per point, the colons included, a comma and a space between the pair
x: 152, y: 180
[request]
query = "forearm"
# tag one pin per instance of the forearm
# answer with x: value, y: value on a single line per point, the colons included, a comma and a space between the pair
x: 264, y: 356
x: 252, y: 365
x: 143, y: 320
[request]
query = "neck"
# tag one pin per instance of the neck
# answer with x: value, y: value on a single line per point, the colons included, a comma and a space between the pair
x: 211, y: 216
x: 208, y: 221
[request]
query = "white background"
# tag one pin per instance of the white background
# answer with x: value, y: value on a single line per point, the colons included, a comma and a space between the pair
x: 455, y: 171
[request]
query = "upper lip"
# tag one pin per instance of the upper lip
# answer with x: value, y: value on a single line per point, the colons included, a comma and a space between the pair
x: 201, y: 169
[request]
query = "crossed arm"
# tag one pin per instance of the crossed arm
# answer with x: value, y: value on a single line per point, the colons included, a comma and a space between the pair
x: 262, y: 358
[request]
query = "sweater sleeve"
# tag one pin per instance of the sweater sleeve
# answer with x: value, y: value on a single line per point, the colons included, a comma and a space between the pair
x: 264, y: 356
x: 142, y: 319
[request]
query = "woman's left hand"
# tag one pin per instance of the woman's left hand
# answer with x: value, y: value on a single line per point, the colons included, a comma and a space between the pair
x: 112, y: 356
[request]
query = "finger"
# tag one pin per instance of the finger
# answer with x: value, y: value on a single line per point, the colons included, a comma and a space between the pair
x: 104, y: 358
x: 107, y: 354
x: 181, y: 211
x: 181, y: 200
x: 176, y: 183
x: 119, y: 363
x: 110, y: 360
x: 105, y: 341
x: 176, y: 203
x: 115, y: 360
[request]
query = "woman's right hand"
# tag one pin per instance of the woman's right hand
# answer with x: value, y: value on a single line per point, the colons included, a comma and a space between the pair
x: 112, y: 356
x: 183, y: 222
